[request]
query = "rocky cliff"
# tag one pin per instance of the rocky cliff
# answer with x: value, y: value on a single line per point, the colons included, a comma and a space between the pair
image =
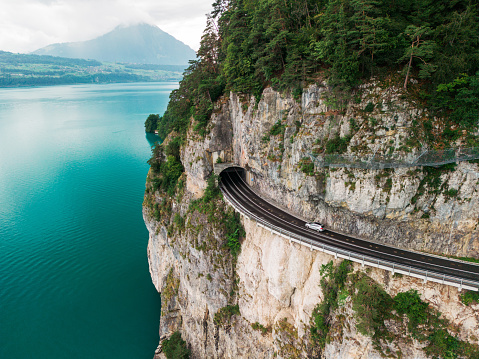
x: 266, y: 301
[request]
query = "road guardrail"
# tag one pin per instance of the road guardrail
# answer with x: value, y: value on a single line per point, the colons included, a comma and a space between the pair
x: 364, y: 260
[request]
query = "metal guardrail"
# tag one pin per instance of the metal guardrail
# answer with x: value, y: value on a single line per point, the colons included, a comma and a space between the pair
x: 363, y: 260
x: 383, y: 161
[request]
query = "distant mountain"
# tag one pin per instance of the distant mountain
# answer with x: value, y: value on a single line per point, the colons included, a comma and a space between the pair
x: 137, y: 44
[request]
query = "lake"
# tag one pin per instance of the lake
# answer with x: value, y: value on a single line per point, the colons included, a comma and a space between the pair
x: 74, y: 280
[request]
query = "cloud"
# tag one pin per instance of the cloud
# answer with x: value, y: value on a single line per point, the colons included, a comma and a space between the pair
x: 27, y: 25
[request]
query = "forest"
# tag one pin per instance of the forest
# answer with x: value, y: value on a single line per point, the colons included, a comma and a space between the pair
x: 248, y: 45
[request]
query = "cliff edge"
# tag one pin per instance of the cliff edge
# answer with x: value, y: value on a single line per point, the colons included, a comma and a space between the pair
x: 234, y: 290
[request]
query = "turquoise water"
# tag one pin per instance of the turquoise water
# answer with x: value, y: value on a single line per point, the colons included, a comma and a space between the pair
x: 74, y: 279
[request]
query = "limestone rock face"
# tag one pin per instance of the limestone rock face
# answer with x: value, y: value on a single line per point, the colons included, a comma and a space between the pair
x: 381, y: 205
x: 276, y: 285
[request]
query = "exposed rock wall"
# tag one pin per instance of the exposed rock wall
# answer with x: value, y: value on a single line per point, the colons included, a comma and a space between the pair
x: 272, y: 280
x: 374, y: 204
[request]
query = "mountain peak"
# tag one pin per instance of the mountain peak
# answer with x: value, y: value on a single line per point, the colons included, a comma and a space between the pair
x: 139, y: 43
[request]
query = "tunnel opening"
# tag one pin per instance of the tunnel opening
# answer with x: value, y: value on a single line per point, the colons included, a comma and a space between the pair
x: 236, y: 170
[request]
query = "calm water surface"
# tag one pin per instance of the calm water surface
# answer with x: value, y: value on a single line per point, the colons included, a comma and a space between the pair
x: 74, y: 279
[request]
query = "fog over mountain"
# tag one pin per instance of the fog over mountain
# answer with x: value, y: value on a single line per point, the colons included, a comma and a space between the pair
x: 141, y: 44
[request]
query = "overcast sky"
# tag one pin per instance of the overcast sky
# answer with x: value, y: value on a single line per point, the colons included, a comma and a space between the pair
x: 26, y: 25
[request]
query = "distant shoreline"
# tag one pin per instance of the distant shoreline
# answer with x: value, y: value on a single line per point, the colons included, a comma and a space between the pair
x: 26, y: 85
x: 19, y: 70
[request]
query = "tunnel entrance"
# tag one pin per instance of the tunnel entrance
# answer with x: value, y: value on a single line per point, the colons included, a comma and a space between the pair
x: 234, y: 169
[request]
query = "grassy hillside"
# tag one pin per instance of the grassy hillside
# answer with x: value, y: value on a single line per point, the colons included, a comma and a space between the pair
x: 37, y: 70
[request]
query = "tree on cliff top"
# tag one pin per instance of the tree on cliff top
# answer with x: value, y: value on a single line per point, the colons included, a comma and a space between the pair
x: 249, y: 45
x: 151, y: 123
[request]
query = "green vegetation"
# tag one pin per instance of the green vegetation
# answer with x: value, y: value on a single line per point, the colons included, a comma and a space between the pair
x: 290, y: 345
x: 376, y: 312
x: 228, y: 218
x: 461, y: 98
x: 467, y: 259
x: 372, y: 305
x: 166, y: 165
x: 179, y: 221
x: 416, y: 310
x: 431, y: 181
x: 233, y: 243
x: 277, y: 129
x: 337, y: 144
x: 169, y: 290
x: 151, y: 123
x: 332, y: 283
x: 175, y: 347
x: 369, y: 107
x: 41, y: 70
x: 248, y: 45
x: 470, y: 297
x: 224, y: 315
x: 235, y: 231
x: 206, y: 204
x: 306, y: 166
x: 264, y: 330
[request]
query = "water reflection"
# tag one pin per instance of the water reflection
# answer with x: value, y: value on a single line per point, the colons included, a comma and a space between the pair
x: 152, y: 138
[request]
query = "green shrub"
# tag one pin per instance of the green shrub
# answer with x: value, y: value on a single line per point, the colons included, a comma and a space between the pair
x: 297, y: 93
x: 410, y: 303
x: 388, y: 185
x: 233, y: 243
x: 235, y: 231
x: 208, y: 204
x: 332, y: 283
x: 307, y: 166
x: 372, y: 306
x: 353, y: 125
x: 277, y: 129
x: 470, y: 297
x: 264, y: 330
x: 167, y: 172
x: 337, y: 144
x: 175, y: 347
x: 432, y: 180
x: 451, y: 192
x: 369, y: 107
x: 179, y: 221
x: 224, y: 315
x: 212, y: 191
x: 442, y: 345
x: 170, y: 289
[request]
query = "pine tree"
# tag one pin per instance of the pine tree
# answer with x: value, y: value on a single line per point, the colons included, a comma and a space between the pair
x: 421, y: 49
